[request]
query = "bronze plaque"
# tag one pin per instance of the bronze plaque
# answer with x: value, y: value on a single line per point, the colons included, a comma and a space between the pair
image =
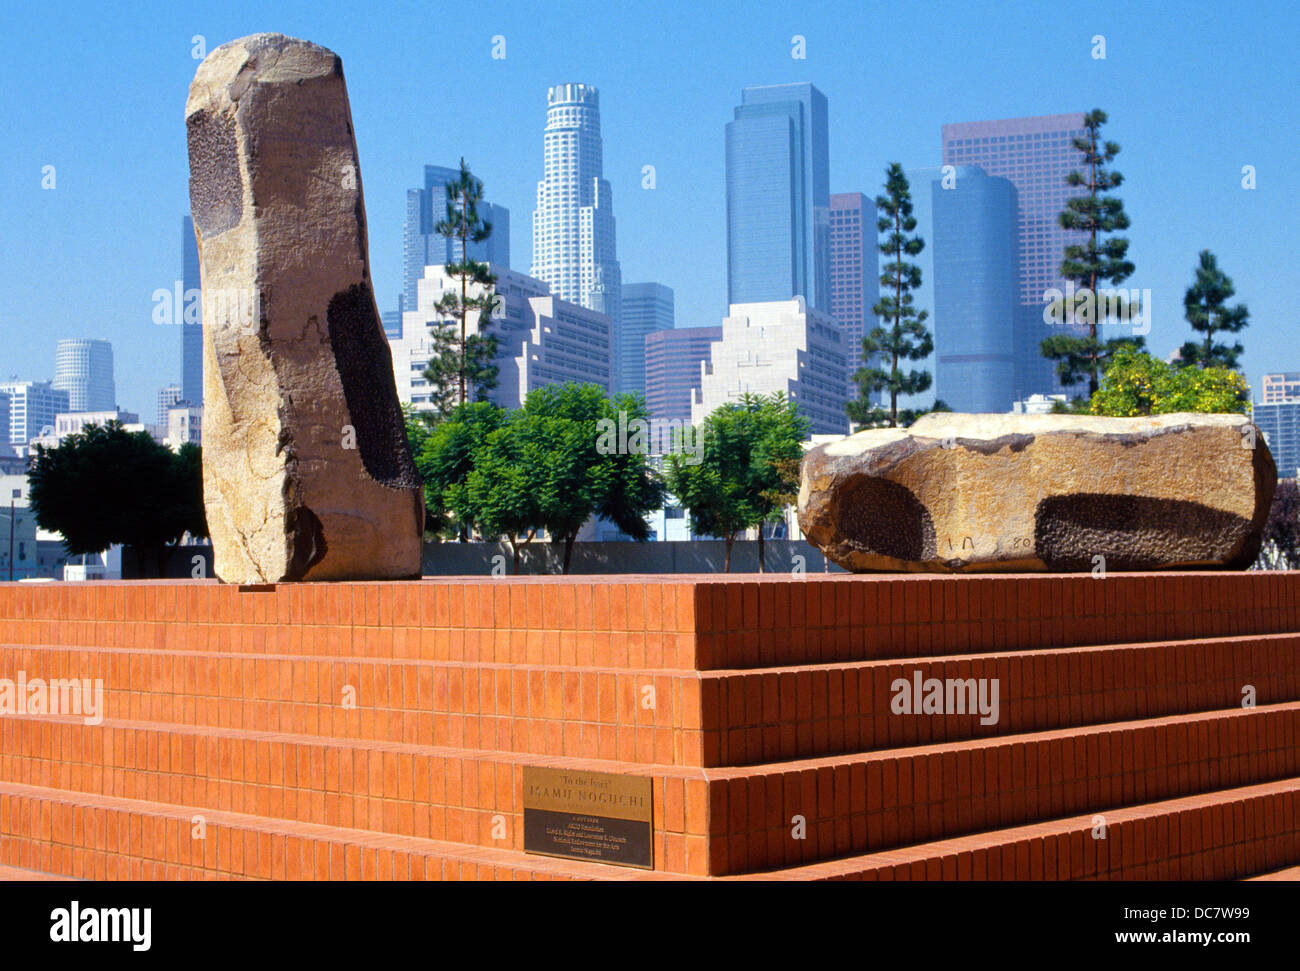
x: 593, y: 816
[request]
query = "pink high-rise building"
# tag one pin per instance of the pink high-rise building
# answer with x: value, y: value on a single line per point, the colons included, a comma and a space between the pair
x: 672, y: 369
x: 854, y: 275
x: 1035, y: 154
x: 1279, y: 387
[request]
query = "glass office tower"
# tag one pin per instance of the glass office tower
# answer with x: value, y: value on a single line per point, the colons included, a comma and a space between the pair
x: 191, y: 325
x: 778, y: 196
x: 84, y: 369
x: 1036, y: 154
x: 422, y: 247
x: 975, y: 289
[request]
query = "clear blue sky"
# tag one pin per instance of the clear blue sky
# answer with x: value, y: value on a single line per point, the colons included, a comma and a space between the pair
x: 1194, y: 92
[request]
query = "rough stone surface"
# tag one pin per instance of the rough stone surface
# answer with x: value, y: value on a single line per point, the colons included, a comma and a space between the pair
x: 306, y: 469
x: 1041, y: 492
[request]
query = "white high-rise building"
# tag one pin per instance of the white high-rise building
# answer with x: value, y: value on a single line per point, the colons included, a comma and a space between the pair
x: 573, y: 224
x: 782, y: 346
x: 167, y: 397
x: 84, y: 369
x: 541, y: 339
x: 32, y: 407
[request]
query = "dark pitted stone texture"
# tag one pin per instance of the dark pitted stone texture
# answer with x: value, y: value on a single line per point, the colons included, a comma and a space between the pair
x: 1041, y: 492
x: 306, y: 471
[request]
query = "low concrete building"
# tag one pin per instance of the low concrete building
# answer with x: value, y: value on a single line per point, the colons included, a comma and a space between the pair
x: 778, y: 346
x: 184, y: 424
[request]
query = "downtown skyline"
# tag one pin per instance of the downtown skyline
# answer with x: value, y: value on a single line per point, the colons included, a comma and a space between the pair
x: 663, y: 106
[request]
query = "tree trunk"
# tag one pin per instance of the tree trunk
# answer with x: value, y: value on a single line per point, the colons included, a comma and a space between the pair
x: 1095, y: 380
x: 762, y: 567
x: 898, y: 317
x: 568, y: 550
x: 726, y: 560
x: 148, y: 561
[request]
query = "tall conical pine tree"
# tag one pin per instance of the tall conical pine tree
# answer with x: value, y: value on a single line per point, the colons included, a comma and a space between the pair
x: 902, y: 335
x: 1100, y: 260
x: 461, y: 365
x: 1205, y: 306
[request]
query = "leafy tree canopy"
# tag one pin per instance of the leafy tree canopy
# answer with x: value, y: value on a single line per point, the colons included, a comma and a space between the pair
x: 749, y: 468
x: 1135, y: 383
x: 512, y: 474
x: 103, y: 486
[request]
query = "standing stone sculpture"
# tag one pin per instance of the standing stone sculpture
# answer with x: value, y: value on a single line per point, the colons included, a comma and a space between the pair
x: 306, y: 469
x: 1041, y: 493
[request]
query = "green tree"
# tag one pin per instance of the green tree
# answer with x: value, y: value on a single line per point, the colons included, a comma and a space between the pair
x: 511, y: 477
x: 584, y: 477
x: 1099, y: 260
x: 1135, y: 383
x: 1204, y: 305
x: 748, y: 470
x: 104, y: 485
x: 903, y: 335
x: 513, y: 474
x: 462, y: 365
x: 445, y: 455
x: 1072, y: 406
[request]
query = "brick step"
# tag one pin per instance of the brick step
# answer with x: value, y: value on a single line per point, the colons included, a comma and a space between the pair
x: 447, y: 794
x: 752, y: 717
x: 724, y: 820
x: 1287, y: 873
x: 729, y: 717
x: 685, y: 622
x: 98, y: 837
x: 575, y: 712
x: 878, y: 800
x: 1221, y: 835
x: 13, y: 873
x: 762, y: 621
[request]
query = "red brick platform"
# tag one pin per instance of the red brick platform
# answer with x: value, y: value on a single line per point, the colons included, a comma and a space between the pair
x: 380, y: 730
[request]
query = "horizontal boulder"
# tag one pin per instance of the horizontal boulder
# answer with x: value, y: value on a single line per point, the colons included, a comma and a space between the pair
x: 1062, y: 493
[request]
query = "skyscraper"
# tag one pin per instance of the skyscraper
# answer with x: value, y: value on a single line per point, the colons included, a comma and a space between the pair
x: 392, y: 320
x: 672, y: 369
x: 647, y: 307
x: 191, y: 331
x: 167, y: 398
x: 1036, y: 154
x: 975, y: 293
x: 33, y: 406
x: 1280, y: 423
x: 422, y: 246
x: 573, y: 225
x: 84, y: 369
x: 778, y: 196
x: 855, y: 272
x: 1280, y: 386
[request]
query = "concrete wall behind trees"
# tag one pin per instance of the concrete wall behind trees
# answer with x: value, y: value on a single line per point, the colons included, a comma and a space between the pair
x: 687, y: 556
x: 475, y: 559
